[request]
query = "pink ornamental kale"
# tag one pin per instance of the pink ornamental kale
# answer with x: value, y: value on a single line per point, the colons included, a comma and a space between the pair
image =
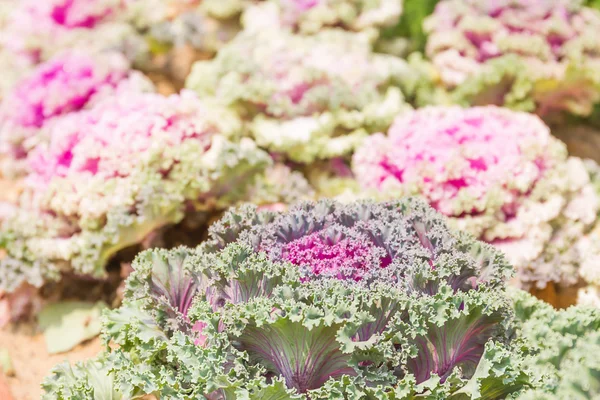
x: 109, y: 176
x: 114, y: 137
x: 452, y: 155
x: 67, y: 83
x: 527, y: 54
x: 36, y: 30
x: 35, y: 20
x: 498, y: 174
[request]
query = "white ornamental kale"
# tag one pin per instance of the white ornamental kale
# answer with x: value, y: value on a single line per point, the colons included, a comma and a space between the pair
x: 109, y: 176
x: 540, y: 55
x: 325, y: 301
x: 499, y: 175
x: 311, y: 16
x: 306, y: 97
x: 394, y: 26
x: 279, y: 186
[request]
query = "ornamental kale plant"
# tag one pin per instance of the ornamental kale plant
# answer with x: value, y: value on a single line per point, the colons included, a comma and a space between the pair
x: 11, y: 68
x: 309, y: 17
x: 279, y: 186
x: 395, y: 26
x: 69, y: 82
x: 540, y: 55
x: 326, y: 301
x: 109, y: 176
x: 561, y: 347
x: 37, y: 30
x: 499, y: 175
x: 306, y: 97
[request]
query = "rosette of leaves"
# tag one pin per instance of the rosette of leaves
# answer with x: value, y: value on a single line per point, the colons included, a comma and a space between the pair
x: 67, y: 83
x: 394, y: 25
x: 312, y: 16
x: 533, y: 55
x: 36, y: 31
x: 305, y: 97
x: 499, y: 175
x: 108, y: 177
x: 13, y: 69
x: 325, y: 301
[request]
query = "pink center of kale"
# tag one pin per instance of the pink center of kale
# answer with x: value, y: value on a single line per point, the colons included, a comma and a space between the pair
x: 306, y: 4
x: 550, y: 21
x: 300, y: 6
x: 452, y: 154
x: 64, y: 84
x: 112, y: 138
x: 201, y: 339
x: 79, y: 14
x: 344, y: 259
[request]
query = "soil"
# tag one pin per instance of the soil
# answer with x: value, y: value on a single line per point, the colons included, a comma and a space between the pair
x: 581, y: 140
x: 24, y: 346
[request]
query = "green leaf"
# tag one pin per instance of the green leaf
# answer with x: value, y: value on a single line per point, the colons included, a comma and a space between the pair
x: 66, y: 324
x: 306, y: 358
x: 411, y: 23
x: 6, y: 364
x: 84, y: 380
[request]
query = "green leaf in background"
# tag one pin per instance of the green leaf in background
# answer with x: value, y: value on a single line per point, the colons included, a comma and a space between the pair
x: 156, y: 46
x: 411, y: 23
x: 68, y: 323
x: 6, y: 365
x: 593, y: 3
